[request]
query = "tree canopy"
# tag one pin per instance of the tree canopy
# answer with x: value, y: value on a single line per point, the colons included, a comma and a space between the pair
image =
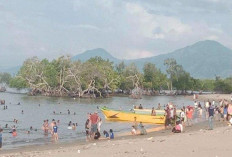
x: 96, y: 77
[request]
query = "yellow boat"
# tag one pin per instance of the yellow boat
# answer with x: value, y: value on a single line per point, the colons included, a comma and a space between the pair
x: 130, y: 116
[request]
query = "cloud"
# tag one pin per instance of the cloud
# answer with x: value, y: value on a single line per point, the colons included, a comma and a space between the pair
x: 133, y: 54
x: 127, y: 29
x: 146, y: 23
x: 84, y: 26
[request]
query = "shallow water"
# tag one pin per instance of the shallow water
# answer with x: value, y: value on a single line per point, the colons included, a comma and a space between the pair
x: 35, y: 114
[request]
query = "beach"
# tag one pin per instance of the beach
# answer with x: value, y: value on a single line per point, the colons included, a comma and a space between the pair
x: 211, y: 97
x: 194, y: 141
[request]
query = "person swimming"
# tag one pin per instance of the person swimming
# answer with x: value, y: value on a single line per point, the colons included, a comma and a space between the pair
x: 69, y: 126
x: 13, y: 131
x: 74, y: 126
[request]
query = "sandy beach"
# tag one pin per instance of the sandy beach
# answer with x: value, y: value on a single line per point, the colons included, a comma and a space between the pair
x: 211, y: 97
x: 194, y: 141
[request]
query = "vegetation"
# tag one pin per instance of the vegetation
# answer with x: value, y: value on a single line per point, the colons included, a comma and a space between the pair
x: 97, y: 78
x: 5, y: 78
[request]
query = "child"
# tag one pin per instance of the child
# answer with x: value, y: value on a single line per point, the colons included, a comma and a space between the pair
x: 97, y: 135
x: 142, y: 129
x: 178, y: 128
x: 111, y: 134
x: 14, y: 133
x: 230, y: 122
x: 1, y: 137
x: 106, y: 134
x: 133, y: 131
x: 55, y: 133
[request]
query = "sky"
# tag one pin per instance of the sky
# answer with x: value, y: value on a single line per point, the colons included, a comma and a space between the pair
x: 128, y: 29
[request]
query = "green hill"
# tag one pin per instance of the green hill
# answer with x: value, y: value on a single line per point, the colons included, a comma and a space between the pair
x: 204, y: 59
x: 95, y: 52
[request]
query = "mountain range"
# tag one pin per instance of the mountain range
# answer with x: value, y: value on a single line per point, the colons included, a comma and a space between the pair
x: 204, y: 59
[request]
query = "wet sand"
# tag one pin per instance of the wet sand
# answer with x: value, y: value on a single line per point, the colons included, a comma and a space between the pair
x: 211, y: 97
x: 195, y: 141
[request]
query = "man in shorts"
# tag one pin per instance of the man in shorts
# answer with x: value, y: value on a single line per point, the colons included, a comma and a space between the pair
x: 94, y: 118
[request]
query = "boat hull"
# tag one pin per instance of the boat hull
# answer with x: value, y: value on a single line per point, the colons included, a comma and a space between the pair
x: 129, y: 116
x: 148, y: 111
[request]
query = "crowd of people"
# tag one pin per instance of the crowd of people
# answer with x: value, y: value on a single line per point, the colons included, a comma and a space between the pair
x: 93, y: 128
x: 186, y: 116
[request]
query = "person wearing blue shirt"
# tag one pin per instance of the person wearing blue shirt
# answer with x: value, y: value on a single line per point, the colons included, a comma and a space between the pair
x: 211, y: 115
x: 106, y: 134
x: 55, y: 133
x: 111, y: 134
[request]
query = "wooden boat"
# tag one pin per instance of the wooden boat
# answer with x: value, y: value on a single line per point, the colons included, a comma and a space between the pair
x: 130, y: 116
x: 148, y: 111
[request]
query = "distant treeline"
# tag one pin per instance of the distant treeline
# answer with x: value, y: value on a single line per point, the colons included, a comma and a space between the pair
x: 97, y: 77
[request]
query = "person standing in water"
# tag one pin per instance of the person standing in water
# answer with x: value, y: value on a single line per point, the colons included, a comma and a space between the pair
x: 94, y: 118
x: 1, y: 138
x: 14, y: 133
x: 99, y: 124
x: 87, y: 128
x: 52, y: 125
x: 159, y: 107
x: 189, y: 114
x: 46, y: 127
x: 55, y: 133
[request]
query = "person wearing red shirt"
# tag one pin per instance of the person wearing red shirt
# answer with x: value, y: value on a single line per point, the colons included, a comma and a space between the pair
x: 189, y: 114
x: 94, y: 118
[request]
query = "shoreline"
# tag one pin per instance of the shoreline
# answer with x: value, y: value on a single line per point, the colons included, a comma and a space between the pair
x: 52, y: 145
x: 72, y: 148
x: 157, y: 134
x: 211, y: 97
